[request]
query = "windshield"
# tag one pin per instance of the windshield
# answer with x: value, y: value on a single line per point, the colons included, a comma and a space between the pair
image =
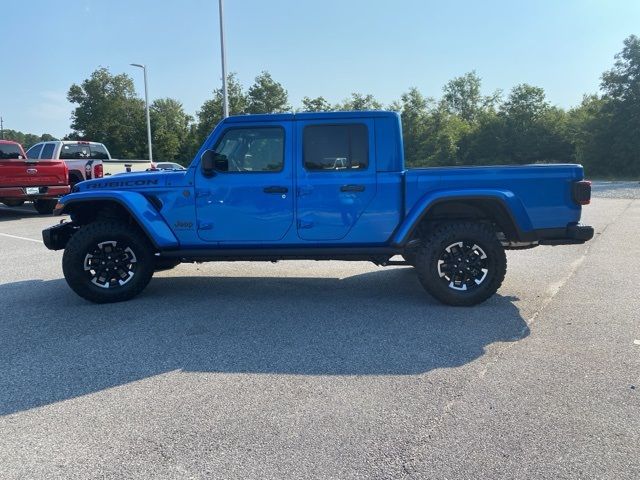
x: 10, y: 151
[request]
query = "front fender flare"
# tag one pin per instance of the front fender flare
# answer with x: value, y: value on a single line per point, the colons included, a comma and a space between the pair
x: 511, y: 203
x: 138, y: 206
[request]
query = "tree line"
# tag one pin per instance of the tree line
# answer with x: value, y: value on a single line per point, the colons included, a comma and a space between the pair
x: 462, y: 127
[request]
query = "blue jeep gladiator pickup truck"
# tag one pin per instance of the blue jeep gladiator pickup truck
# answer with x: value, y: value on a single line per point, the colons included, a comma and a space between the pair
x: 316, y: 186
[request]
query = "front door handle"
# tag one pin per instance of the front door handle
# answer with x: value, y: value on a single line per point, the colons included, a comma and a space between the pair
x: 352, y: 188
x: 275, y: 189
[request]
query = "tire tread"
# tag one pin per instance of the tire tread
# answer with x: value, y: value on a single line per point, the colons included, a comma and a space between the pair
x: 449, y: 232
x: 77, y: 247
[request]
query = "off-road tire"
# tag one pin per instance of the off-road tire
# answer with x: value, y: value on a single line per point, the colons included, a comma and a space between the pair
x: 410, y: 258
x: 87, y: 240
x: 45, y: 207
x: 429, y: 263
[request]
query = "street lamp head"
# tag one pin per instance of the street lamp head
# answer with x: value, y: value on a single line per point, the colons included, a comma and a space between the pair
x: 137, y: 65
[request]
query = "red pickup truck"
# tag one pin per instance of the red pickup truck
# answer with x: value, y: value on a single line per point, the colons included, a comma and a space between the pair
x: 39, y: 181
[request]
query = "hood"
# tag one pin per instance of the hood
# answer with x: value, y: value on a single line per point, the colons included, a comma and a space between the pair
x: 133, y: 181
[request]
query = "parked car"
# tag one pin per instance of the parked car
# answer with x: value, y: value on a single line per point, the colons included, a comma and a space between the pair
x: 21, y: 179
x: 168, y: 166
x: 316, y: 186
x: 84, y: 159
x: 114, y: 166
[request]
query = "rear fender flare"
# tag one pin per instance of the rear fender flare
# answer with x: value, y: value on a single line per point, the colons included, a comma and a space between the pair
x: 511, y: 203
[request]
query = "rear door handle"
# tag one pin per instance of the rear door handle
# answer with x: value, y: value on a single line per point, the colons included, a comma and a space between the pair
x: 275, y: 189
x: 352, y: 188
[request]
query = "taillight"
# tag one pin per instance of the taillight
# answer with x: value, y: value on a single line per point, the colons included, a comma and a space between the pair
x: 582, y: 192
x: 98, y: 170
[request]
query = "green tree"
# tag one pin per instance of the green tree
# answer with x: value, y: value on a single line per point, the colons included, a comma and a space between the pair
x: 170, y: 126
x: 533, y: 129
x: 359, y: 101
x: 109, y: 111
x: 618, y: 125
x: 588, y: 128
x: 414, y: 111
x: 26, y: 139
x: 318, y: 104
x: 267, y: 96
x: 525, y: 103
x: 462, y: 96
x: 445, y: 132
x: 211, y: 112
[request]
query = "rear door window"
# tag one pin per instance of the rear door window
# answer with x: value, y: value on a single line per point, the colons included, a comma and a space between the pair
x: 9, y: 151
x: 47, y: 151
x: 335, y: 147
x: 99, y: 152
x: 34, y: 152
x: 75, y: 152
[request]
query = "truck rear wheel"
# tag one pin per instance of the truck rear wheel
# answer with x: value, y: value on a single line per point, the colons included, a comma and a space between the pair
x: 45, y: 207
x: 108, y: 261
x: 461, y: 264
x: 410, y: 258
x: 13, y: 203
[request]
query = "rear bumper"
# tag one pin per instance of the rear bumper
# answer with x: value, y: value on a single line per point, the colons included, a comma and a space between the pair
x: 20, y: 193
x: 571, y: 235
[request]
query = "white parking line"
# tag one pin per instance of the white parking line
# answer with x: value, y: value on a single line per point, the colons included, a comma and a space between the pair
x: 20, y: 238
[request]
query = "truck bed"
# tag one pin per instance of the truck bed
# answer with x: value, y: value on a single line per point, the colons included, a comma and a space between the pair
x: 538, y: 194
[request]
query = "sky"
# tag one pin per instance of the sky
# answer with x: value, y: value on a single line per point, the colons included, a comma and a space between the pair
x: 313, y: 47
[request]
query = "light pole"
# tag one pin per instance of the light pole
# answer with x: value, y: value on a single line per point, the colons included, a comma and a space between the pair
x: 146, y: 103
x: 225, y: 96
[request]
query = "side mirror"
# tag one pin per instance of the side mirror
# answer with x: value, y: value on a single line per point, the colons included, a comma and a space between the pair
x: 210, y: 162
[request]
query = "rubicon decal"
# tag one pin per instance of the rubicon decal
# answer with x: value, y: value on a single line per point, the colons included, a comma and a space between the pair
x: 123, y: 183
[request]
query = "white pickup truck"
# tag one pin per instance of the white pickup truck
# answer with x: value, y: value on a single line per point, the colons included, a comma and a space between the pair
x: 85, y: 160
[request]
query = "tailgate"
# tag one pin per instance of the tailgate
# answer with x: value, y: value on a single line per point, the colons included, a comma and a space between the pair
x: 19, y: 173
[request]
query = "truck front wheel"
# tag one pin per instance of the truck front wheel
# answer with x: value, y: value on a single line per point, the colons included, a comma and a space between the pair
x: 461, y: 264
x: 45, y: 207
x: 108, y: 261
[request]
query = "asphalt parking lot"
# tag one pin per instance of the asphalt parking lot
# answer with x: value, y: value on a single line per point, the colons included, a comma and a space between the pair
x: 326, y: 369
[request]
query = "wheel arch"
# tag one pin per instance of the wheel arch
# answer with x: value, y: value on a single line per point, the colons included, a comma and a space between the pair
x: 500, y: 208
x: 75, y: 176
x: 132, y: 207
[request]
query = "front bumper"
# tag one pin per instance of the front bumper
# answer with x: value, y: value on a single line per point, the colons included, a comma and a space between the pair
x: 20, y: 193
x: 56, y: 237
x: 571, y: 235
